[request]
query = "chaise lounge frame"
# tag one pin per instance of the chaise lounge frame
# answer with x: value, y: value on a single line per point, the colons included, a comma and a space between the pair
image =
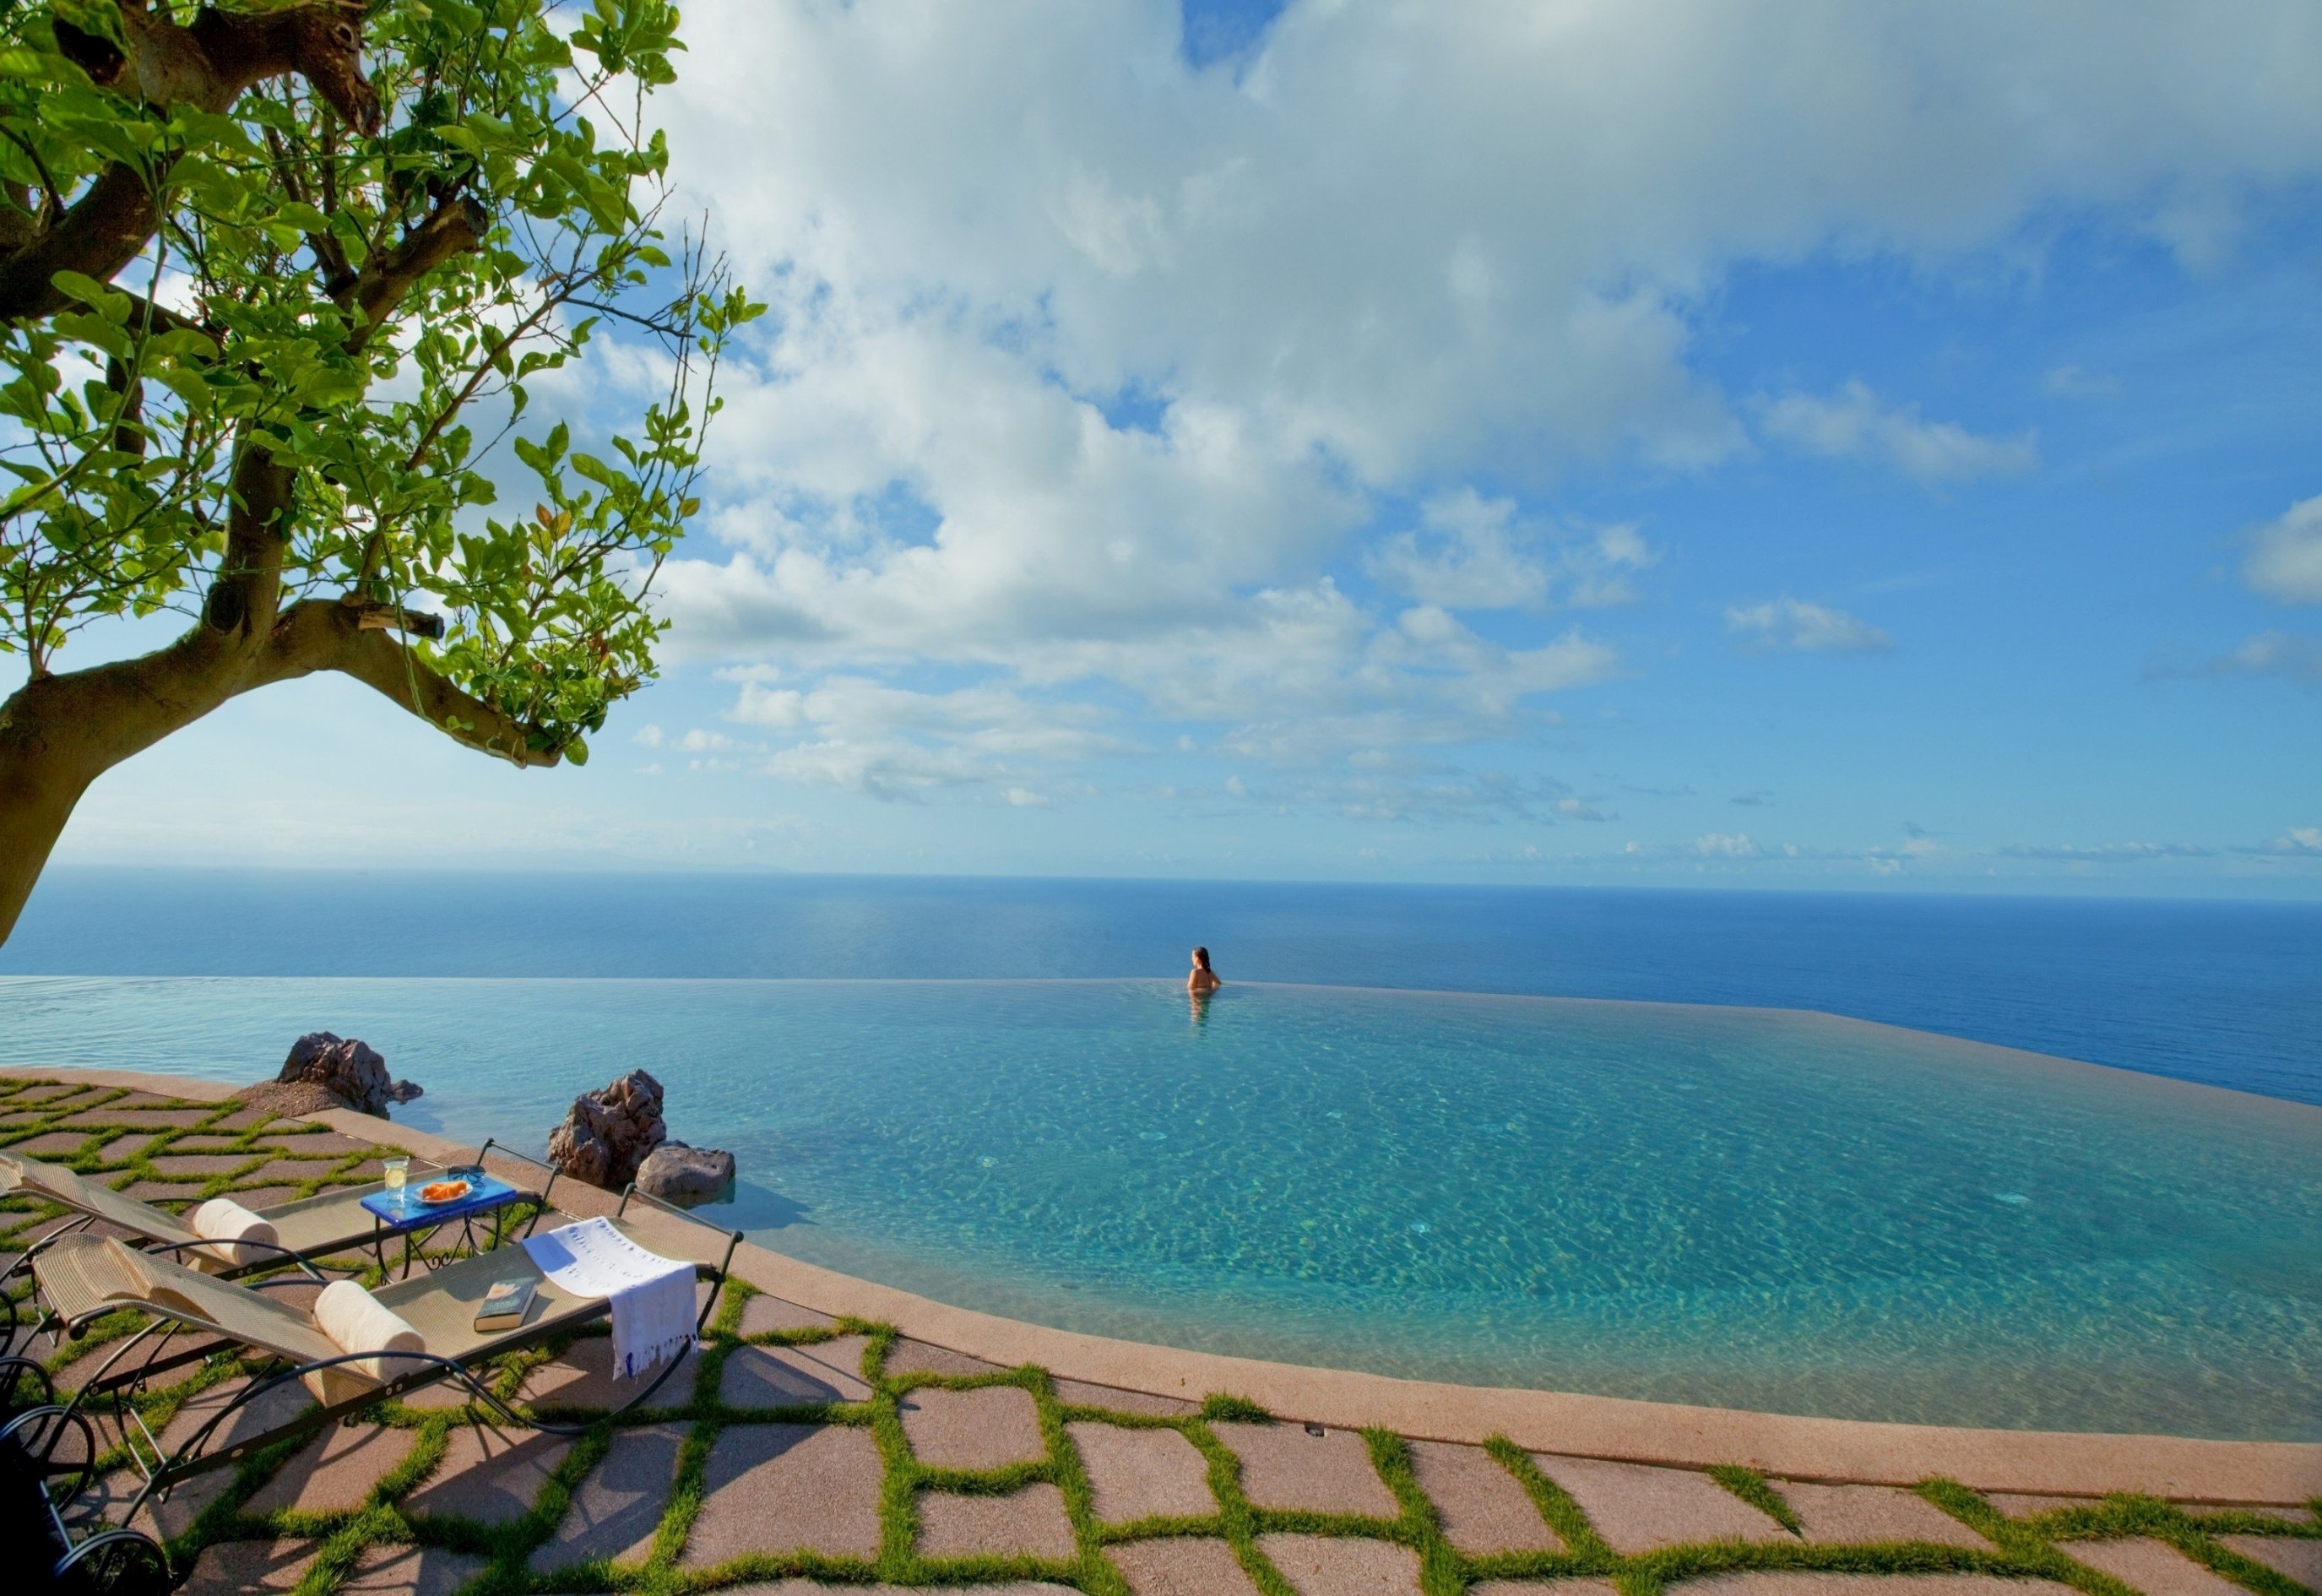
x: 162, y: 1235
x: 92, y: 1277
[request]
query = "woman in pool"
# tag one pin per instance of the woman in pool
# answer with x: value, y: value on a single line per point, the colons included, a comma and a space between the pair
x: 1204, y: 980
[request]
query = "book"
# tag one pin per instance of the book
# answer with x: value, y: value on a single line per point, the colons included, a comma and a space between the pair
x: 504, y: 1305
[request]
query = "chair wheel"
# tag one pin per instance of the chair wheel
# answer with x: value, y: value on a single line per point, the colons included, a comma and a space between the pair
x: 23, y: 1384
x: 116, y: 1562
x: 61, y: 1446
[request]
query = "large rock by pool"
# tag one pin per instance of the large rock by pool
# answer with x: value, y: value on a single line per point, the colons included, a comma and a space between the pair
x: 347, y: 1070
x: 687, y: 1176
x: 607, y: 1135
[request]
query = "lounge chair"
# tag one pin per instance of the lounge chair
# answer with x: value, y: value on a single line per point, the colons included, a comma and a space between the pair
x: 321, y: 1227
x: 86, y: 1277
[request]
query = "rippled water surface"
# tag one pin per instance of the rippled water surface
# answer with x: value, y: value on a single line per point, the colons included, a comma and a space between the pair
x: 1738, y: 1206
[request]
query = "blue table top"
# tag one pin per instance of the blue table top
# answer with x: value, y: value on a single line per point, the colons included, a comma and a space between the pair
x: 401, y: 1210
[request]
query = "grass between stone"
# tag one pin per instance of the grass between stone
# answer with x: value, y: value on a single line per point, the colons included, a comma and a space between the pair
x: 1750, y: 1486
x: 2037, y: 1547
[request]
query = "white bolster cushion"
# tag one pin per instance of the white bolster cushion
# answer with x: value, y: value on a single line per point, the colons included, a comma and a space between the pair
x: 228, y: 1226
x: 356, y: 1323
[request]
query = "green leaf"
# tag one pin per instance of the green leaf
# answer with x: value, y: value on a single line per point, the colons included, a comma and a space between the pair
x: 549, y: 621
x: 103, y: 332
x: 109, y: 302
x: 181, y: 343
x: 186, y: 383
x: 305, y: 217
x: 352, y: 243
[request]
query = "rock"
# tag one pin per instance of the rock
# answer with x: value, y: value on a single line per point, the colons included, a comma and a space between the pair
x: 607, y: 1133
x: 351, y: 1071
x: 289, y: 1100
x: 687, y: 1176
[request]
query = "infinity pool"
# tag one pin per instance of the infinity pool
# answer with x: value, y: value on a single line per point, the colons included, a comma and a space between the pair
x: 1744, y: 1207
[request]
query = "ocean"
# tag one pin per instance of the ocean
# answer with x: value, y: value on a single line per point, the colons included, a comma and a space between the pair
x: 2227, y: 994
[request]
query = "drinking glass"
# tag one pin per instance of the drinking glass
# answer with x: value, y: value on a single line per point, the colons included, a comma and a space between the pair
x: 396, y: 1169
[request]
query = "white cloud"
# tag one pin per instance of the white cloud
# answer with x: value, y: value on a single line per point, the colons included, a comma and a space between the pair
x: 1854, y: 423
x: 1800, y: 626
x: 1914, y: 849
x: 2295, y: 659
x: 2299, y: 842
x: 997, y: 719
x: 1333, y: 689
x: 1087, y: 368
x: 888, y: 742
x: 1473, y: 553
x: 2109, y: 853
x: 888, y: 769
x: 2285, y: 558
x: 1300, y: 677
x: 1725, y: 844
x: 1379, y: 238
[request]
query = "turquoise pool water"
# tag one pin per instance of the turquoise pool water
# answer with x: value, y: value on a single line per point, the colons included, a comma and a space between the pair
x: 1746, y: 1207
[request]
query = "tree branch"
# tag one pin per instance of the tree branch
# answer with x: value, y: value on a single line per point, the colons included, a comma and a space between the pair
x: 337, y: 274
x: 52, y: 200
x: 208, y: 64
x: 102, y: 231
x: 69, y: 729
x: 128, y: 425
x: 395, y: 617
x: 451, y: 228
x: 249, y: 584
x: 326, y: 635
x: 153, y: 315
x: 58, y: 733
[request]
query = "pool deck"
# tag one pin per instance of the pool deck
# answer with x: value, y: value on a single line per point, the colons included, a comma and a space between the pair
x: 1025, y: 1450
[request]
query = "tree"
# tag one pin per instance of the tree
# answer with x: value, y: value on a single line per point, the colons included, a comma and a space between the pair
x: 273, y: 282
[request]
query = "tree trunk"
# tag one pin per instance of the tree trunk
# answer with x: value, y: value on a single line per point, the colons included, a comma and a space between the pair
x: 37, y: 794
x: 57, y: 734
x: 60, y: 733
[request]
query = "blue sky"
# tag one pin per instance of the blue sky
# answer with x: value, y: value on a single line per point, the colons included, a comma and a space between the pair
x: 1805, y: 445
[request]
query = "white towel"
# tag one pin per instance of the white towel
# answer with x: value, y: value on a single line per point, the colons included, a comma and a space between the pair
x: 356, y: 1322
x: 651, y: 1296
x: 230, y: 1228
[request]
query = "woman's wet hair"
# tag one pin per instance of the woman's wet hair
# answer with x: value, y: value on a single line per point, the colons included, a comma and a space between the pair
x: 1201, y: 957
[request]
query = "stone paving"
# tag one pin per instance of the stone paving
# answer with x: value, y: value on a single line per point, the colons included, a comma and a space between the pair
x: 1141, y: 1474
x: 1483, y: 1507
x: 801, y: 1453
x: 1638, y: 1508
x: 806, y: 1487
